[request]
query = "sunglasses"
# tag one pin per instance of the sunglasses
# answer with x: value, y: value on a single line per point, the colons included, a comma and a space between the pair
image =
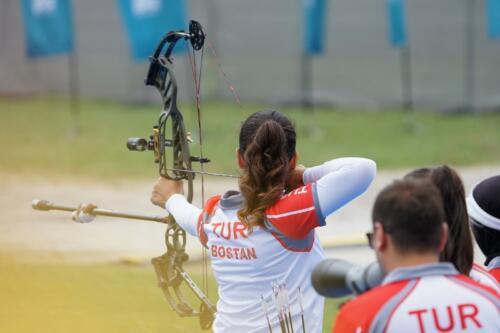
x: 369, y: 237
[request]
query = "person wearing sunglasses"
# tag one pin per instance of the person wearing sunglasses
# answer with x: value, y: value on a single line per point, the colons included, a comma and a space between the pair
x: 419, y: 293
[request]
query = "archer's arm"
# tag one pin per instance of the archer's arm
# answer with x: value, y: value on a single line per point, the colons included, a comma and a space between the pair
x: 185, y: 214
x: 327, y: 188
x: 339, y: 181
x: 168, y: 194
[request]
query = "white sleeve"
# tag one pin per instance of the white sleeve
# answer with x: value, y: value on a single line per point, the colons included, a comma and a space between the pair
x: 184, y: 213
x: 339, y: 181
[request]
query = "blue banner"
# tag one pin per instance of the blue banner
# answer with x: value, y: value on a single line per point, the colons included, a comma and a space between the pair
x: 146, y: 21
x: 493, y: 18
x: 396, y: 23
x: 315, y: 24
x: 48, y: 27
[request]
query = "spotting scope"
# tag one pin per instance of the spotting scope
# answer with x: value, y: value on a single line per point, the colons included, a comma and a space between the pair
x: 338, y: 278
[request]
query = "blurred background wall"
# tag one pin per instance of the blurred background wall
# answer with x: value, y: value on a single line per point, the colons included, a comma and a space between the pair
x: 259, y: 44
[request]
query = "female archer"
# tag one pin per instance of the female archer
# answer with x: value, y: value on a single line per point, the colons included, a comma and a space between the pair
x: 262, y: 240
x: 459, y: 249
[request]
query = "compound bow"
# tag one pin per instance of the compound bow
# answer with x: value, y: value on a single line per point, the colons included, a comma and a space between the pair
x: 169, y: 266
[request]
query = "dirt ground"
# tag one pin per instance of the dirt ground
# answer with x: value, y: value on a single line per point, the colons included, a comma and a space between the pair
x: 35, y: 235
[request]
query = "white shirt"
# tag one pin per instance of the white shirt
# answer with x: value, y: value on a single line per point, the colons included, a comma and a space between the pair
x: 247, y: 265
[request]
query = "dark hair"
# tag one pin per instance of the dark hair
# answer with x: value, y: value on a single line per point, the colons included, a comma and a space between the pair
x: 267, y: 144
x: 411, y: 212
x: 459, y: 249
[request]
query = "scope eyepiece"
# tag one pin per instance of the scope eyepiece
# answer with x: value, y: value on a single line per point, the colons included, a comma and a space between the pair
x: 137, y: 144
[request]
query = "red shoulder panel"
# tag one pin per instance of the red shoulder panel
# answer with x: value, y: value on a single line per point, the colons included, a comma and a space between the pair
x: 295, y: 215
x: 360, y: 311
x: 496, y: 273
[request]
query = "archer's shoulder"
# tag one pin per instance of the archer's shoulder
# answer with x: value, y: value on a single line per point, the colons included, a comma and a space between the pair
x: 369, y: 303
x: 301, y: 195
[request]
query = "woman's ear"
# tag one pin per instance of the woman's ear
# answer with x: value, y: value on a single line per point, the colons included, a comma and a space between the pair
x: 444, y: 237
x: 240, y: 159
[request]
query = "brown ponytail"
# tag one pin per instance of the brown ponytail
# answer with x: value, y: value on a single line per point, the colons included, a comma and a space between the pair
x: 459, y: 247
x: 267, y: 144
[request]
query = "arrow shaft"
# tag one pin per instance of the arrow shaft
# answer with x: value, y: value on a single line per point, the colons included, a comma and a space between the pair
x: 45, y: 205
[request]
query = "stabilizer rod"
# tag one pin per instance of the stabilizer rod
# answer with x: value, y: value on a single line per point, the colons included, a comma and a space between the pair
x: 47, y: 205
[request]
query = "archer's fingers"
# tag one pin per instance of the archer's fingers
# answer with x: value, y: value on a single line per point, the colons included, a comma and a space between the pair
x: 157, y: 199
x: 167, y: 187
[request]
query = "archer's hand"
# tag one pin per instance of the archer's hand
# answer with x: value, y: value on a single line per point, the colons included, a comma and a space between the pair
x: 84, y: 213
x: 295, y: 179
x: 164, y: 189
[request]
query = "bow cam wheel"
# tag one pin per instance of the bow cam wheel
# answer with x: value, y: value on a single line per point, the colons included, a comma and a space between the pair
x: 197, y: 36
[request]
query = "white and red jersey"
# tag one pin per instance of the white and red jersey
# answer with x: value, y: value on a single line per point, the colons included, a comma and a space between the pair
x: 284, y: 255
x: 423, y: 299
x: 248, y: 264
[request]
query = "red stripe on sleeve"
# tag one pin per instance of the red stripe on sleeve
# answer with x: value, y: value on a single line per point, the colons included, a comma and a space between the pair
x: 205, y: 215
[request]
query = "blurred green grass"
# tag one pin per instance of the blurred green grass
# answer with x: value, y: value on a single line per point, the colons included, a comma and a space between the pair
x: 37, y: 137
x: 61, y: 298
